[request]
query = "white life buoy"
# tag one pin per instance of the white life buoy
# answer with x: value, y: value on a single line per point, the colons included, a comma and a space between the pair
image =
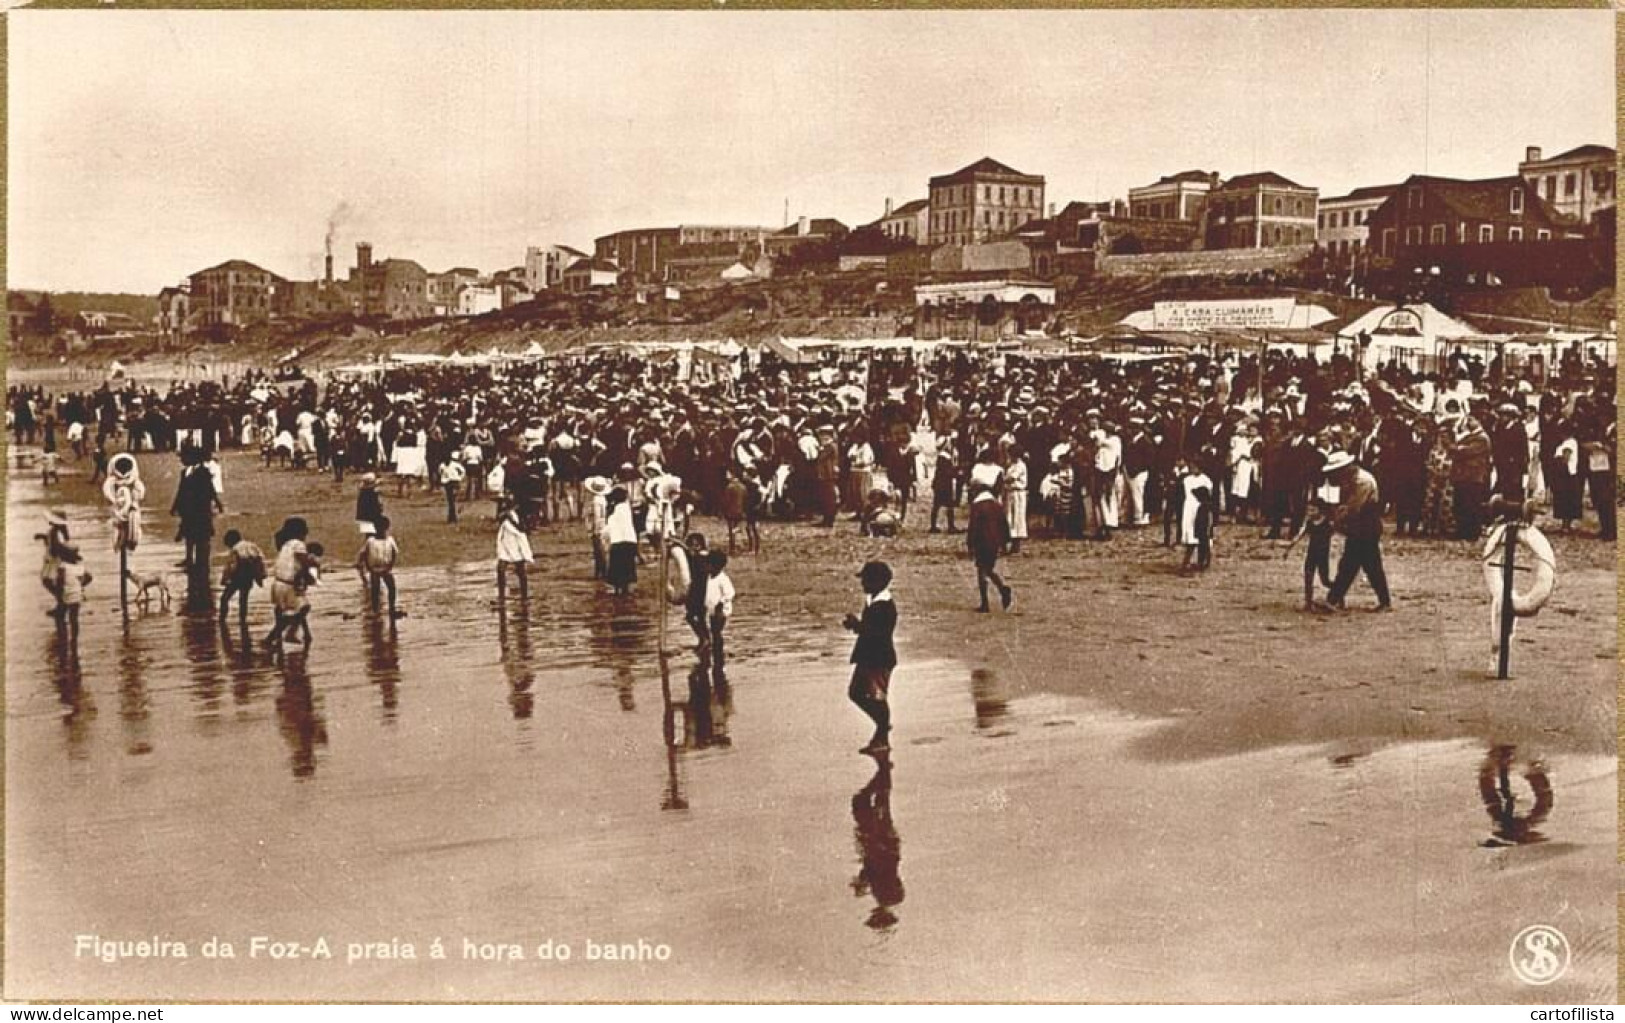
x: 1540, y: 559
x: 678, y: 577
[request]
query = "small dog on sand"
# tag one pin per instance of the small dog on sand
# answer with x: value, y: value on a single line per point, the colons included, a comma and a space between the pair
x: 146, y: 585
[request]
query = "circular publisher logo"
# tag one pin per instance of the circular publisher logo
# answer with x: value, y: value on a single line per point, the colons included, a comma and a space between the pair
x: 1540, y: 954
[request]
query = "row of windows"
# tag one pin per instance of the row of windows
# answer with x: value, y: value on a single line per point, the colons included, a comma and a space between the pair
x: 992, y: 220
x: 1343, y: 218
x: 1269, y: 236
x: 1249, y: 206
x: 1005, y: 195
x: 1602, y: 184
x: 1157, y: 210
x: 1438, y: 234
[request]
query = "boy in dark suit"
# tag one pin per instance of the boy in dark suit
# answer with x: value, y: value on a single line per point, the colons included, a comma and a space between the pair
x: 874, y: 655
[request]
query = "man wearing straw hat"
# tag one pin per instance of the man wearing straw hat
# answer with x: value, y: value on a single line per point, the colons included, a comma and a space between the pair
x: 1358, y: 516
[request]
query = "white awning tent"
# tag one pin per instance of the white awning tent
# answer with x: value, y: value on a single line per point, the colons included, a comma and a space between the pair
x: 1412, y: 334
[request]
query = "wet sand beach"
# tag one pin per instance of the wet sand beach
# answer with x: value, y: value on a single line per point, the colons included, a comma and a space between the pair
x: 1134, y: 787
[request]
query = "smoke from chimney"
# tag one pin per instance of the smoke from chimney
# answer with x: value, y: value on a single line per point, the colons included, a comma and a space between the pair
x: 335, y: 220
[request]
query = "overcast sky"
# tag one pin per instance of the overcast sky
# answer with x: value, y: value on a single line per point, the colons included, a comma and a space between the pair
x: 147, y: 145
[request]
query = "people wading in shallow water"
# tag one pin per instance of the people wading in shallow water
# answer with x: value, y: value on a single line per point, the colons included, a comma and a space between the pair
x: 297, y: 567
x: 513, y: 550
x: 874, y: 654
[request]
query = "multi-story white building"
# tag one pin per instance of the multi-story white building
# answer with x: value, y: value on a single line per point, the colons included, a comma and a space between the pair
x: 1342, y: 230
x: 545, y: 266
x: 982, y: 201
x: 1579, y: 183
x: 1179, y: 196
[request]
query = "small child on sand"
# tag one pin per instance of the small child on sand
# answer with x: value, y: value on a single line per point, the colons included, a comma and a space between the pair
x: 71, y: 577
x: 375, y: 564
x: 513, y: 549
x: 1318, y: 557
x: 245, y: 569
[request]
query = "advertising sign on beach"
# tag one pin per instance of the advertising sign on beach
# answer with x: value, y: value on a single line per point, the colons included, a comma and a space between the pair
x: 1237, y: 314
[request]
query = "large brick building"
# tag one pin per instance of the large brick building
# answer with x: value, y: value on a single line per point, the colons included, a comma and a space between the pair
x: 235, y: 293
x: 393, y: 289
x: 1496, y: 231
x: 1436, y: 212
x: 643, y: 253
x: 984, y: 200
x: 1579, y: 183
x: 1259, y: 211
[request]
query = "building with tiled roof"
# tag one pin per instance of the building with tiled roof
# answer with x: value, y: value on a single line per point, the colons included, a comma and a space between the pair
x: 1261, y: 210
x: 1434, y: 212
x: 982, y: 200
x: 235, y: 293
x: 1579, y: 183
x: 909, y: 222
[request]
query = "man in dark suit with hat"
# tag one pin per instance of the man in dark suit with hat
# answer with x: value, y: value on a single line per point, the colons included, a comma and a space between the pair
x: 1358, y: 516
x: 1509, y: 446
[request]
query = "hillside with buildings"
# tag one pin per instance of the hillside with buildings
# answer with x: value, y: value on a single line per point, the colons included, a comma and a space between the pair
x: 988, y: 253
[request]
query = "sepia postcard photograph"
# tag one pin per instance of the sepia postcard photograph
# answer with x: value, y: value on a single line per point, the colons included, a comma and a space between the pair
x: 1100, y: 506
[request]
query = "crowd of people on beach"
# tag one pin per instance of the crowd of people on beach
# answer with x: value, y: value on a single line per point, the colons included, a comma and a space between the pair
x: 630, y: 448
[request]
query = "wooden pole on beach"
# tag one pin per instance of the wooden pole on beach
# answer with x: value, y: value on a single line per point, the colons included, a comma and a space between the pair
x: 665, y: 568
x: 1504, y: 663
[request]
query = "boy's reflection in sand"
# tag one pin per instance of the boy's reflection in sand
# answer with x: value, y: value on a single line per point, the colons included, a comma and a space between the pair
x: 880, y: 850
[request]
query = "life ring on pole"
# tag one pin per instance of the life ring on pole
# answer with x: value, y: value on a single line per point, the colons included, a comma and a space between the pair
x: 678, y: 576
x: 1528, y: 603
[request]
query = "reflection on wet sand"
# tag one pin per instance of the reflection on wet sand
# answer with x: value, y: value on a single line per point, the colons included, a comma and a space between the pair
x: 991, y: 696
x: 79, y: 707
x: 200, y: 641
x: 1495, y: 787
x: 619, y: 634
x: 699, y: 722
x: 383, y: 662
x: 248, y: 679
x: 513, y: 636
x: 133, y: 702
x: 299, y: 715
x: 880, y: 850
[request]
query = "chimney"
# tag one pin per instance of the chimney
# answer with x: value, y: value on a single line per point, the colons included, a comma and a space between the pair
x: 363, y: 256
x: 802, y: 227
x: 1531, y: 154
x: 329, y: 276
x: 888, y: 205
x: 1052, y: 211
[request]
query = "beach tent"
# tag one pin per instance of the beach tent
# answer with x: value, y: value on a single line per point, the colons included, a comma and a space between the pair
x: 1412, y: 334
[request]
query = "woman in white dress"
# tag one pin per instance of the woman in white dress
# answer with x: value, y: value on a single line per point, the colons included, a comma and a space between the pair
x: 1243, y: 470
x: 410, y: 463
x: 1015, y: 496
x: 860, y: 459
x: 1196, y: 518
